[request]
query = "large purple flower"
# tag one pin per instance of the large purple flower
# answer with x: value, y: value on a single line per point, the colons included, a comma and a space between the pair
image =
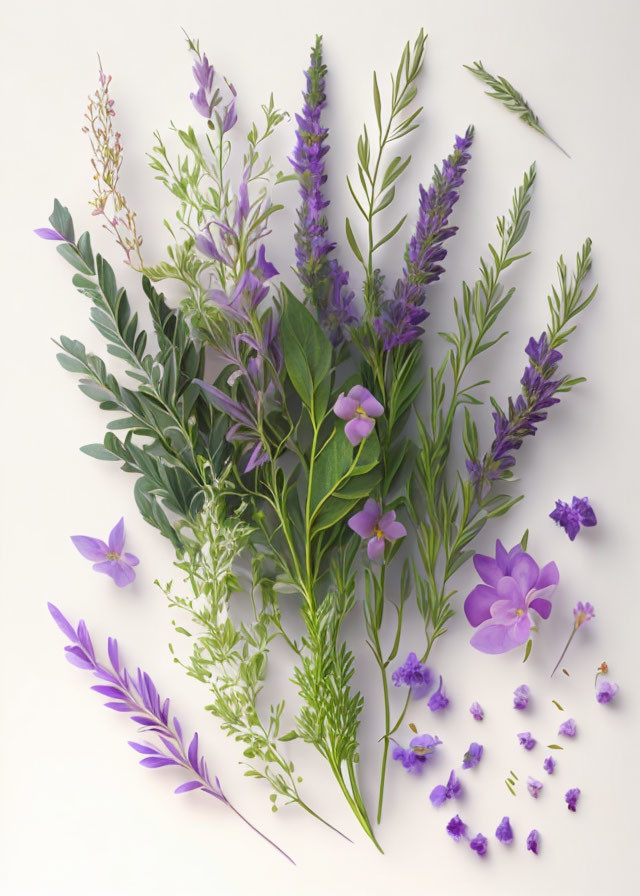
x: 514, y: 585
x: 370, y: 523
x: 109, y: 558
x: 359, y: 408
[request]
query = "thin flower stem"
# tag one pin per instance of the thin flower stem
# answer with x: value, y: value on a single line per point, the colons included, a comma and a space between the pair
x: 259, y: 832
x: 571, y: 636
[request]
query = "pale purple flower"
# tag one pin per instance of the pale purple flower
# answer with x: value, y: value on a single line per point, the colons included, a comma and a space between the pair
x: 456, y: 828
x: 606, y: 691
x: 413, y: 674
x: 572, y: 517
x: 521, y: 697
x: 533, y: 842
x: 378, y: 528
x: 582, y: 613
x: 525, y: 740
x: 473, y: 755
x: 503, y: 831
x: 479, y: 844
x: 359, y: 408
x: 451, y: 790
x: 568, y: 728
x: 571, y: 798
x: 418, y: 752
x: 210, y: 92
x: 549, y: 765
x: 438, y: 699
x: 534, y: 787
x: 109, y: 558
x: 476, y: 711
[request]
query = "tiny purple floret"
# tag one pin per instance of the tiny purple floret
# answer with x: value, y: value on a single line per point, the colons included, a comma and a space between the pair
x: 417, y: 754
x: 533, y: 842
x: 571, y: 517
x: 109, y: 558
x: 442, y: 792
x: 534, y: 787
x: 521, y: 697
x: 479, y: 844
x: 413, y: 674
x: 549, y: 765
x: 525, y: 740
x: 606, y: 691
x: 568, y: 728
x: 457, y: 828
x: 376, y: 528
x: 473, y: 755
x: 504, y: 832
x: 438, y: 700
x: 476, y: 711
x: 571, y: 798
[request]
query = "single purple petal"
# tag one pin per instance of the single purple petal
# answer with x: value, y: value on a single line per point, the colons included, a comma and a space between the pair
x: 549, y: 575
x: 525, y: 571
x: 63, y: 624
x: 495, y: 639
x: 542, y: 607
x: 47, y: 233
x: 375, y: 548
x: 116, y: 537
x: 504, y: 833
x: 438, y: 795
x: 130, y: 559
x: 107, y: 691
x: 488, y: 569
x: 364, y: 522
x: 345, y: 407
x: 533, y: 842
x: 193, y: 751
x: 91, y: 548
x: 77, y: 657
x: 358, y: 429
x: 190, y: 785
x: 120, y: 573
x: 509, y: 589
x: 606, y: 691
x: 477, y: 606
x: 157, y: 762
x: 267, y: 270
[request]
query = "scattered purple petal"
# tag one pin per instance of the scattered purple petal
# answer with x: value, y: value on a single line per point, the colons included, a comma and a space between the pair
x: 504, y: 832
x: 109, y: 558
x: 473, y: 755
x: 451, y: 790
x: 571, y: 517
x: 549, y: 765
x: 525, y: 740
x: 457, y: 828
x: 534, y: 787
x: 417, y: 754
x: 478, y: 714
x: 606, y: 691
x: 568, y: 728
x: 479, y: 844
x: 533, y: 842
x: 521, y: 697
x: 415, y: 675
x: 438, y: 700
x: 571, y: 798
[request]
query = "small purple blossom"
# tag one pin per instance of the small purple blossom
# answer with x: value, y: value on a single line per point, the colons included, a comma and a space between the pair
x: 549, y: 765
x: 606, y: 691
x: 572, y: 517
x: 571, y: 798
x: 534, y: 787
x: 377, y: 528
x: 521, y: 697
x: 413, y: 674
x: 476, y: 711
x: 504, y: 832
x: 451, y: 790
x: 210, y: 94
x: 479, y: 844
x: 417, y: 754
x: 456, y: 828
x: 109, y: 558
x: 525, y: 740
x: 533, y: 842
x: 582, y: 613
x: 438, y: 699
x: 359, y: 408
x: 568, y: 728
x: 473, y: 755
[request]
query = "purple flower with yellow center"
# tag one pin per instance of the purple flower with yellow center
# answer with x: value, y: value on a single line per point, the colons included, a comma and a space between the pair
x: 479, y: 844
x: 572, y: 516
x: 525, y: 740
x: 109, y: 558
x: 582, y: 613
x: 413, y: 674
x: 473, y: 755
x: 438, y: 700
x: 451, y: 790
x: 534, y: 787
x: 377, y: 528
x: 571, y: 798
x: 504, y: 832
x: 533, y: 842
x: 360, y: 409
x: 514, y: 585
x: 476, y: 711
x: 568, y: 728
x: 418, y: 752
x: 456, y: 828
x: 521, y: 697
x: 549, y: 765
x: 606, y: 691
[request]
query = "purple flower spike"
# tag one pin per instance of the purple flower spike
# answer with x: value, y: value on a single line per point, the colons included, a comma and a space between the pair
x: 479, y: 844
x: 476, y: 711
x: 568, y: 728
x: 457, y: 828
x: 438, y: 700
x: 504, y: 832
x: 451, y: 790
x: 521, y: 697
x: 418, y: 753
x: 413, y: 674
x: 473, y: 755
x: 533, y: 842
x: 359, y: 408
x: 534, y: 787
x: 572, y: 517
x: 109, y: 558
x: 606, y: 691
x: 378, y: 528
x: 549, y: 765
x: 525, y: 740
x: 571, y: 798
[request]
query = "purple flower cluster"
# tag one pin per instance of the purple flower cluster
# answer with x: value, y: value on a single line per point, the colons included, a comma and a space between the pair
x: 526, y: 740
x: 413, y: 674
x: 442, y: 792
x: 400, y: 317
x: 325, y: 282
x: 530, y: 408
x: 572, y: 516
x: 418, y: 752
x: 209, y: 95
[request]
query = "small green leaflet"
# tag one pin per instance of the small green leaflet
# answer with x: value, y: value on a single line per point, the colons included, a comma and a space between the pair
x: 555, y: 703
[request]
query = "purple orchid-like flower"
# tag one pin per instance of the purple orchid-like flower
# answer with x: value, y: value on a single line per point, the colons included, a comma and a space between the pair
x: 377, y: 528
x: 572, y: 517
x: 360, y: 409
x: 534, y: 787
x: 476, y: 711
x: 417, y: 754
x: 479, y: 844
x: 443, y: 792
x: 533, y: 842
x: 549, y: 765
x: 504, y: 833
x: 514, y: 585
x: 571, y: 798
x: 473, y: 755
x: 439, y: 699
x: 568, y: 728
x: 413, y: 674
x: 606, y: 691
x: 525, y: 740
x: 109, y: 558
x: 521, y: 697
x: 456, y: 828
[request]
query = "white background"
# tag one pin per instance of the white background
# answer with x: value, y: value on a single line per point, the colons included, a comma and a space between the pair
x: 78, y: 815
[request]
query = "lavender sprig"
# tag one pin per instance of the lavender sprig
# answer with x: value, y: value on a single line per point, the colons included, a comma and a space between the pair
x: 138, y: 696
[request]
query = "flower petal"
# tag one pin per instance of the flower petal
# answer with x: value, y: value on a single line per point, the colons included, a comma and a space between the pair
x: 130, y: 559
x: 494, y: 639
x: 488, y: 569
x: 508, y: 589
x: 525, y: 571
x: 549, y: 575
x: 116, y: 537
x: 542, y: 607
x: 364, y: 522
x: 438, y: 795
x: 375, y: 548
x: 91, y: 548
x: 345, y: 407
x: 358, y: 429
x: 477, y: 606
x: 120, y: 573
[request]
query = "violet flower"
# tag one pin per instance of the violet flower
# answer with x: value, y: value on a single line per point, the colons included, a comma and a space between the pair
x: 525, y: 740
x: 571, y: 798
x: 533, y: 842
x: 413, y: 674
x: 582, y: 613
x: 514, y: 585
x: 479, y: 844
x: 109, y: 558
x: 138, y: 696
x: 418, y: 752
x: 549, y: 765
x: 456, y: 828
x: 476, y: 711
x: 568, y: 728
x: 360, y: 409
x: 400, y: 317
x: 521, y: 697
x: 504, y: 832
x: 438, y: 700
x: 606, y: 691
x: 572, y: 517
x: 209, y: 95
x: 534, y: 787
x: 378, y: 528
x: 451, y: 790
x: 473, y: 755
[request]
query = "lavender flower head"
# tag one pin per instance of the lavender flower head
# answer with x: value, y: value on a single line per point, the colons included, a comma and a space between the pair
x: 418, y: 753
x: 534, y: 787
x: 533, y: 842
x: 549, y: 765
x: 442, y: 792
x: 479, y: 844
x: 571, y: 798
x: 438, y: 699
x: 473, y: 755
x: 476, y: 711
x: 376, y: 528
x: 568, y: 728
x: 521, y: 697
x: 572, y: 517
x: 413, y: 674
x: 110, y: 559
x: 606, y: 691
x: 525, y: 740
x: 504, y: 832
x: 456, y: 828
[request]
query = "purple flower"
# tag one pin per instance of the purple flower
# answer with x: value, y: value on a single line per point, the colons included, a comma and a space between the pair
x: 521, y: 697
x: 473, y: 755
x: 572, y: 517
x: 438, y: 700
x: 582, y: 613
x: 370, y: 523
x: 549, y: 765
x: 209, y: 94
x: 503, y: 831
x: 443, y: 792
x: 479, y: 844
x: 359, y: 408
x: 457, y: 828
x: 413, y: 674
x: 568, y: 728
x: 571, y: 798
x: 476, y: 711
x: 109, y: 558
x: 525, y: 740
x: 534, y: 787
x: 400, y: 317
x: 533, y: 842
x: 606, y: 691
x: 417, y: 754
x: 514, y: 585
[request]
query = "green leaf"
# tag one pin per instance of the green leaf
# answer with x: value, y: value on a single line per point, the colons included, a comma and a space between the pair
x: 99, y: 452
x: 291, y: 735
x: 353, y: 242
x: 527, y: 650
x: 554, y: 747
x: 307, y: 355
x: 331, y: 465
x: 555, y: 703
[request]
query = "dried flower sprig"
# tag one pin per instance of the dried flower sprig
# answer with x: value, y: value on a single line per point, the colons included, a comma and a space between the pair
x: 500, y: 89
x: 137, y: 696
x: 582, y: 613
